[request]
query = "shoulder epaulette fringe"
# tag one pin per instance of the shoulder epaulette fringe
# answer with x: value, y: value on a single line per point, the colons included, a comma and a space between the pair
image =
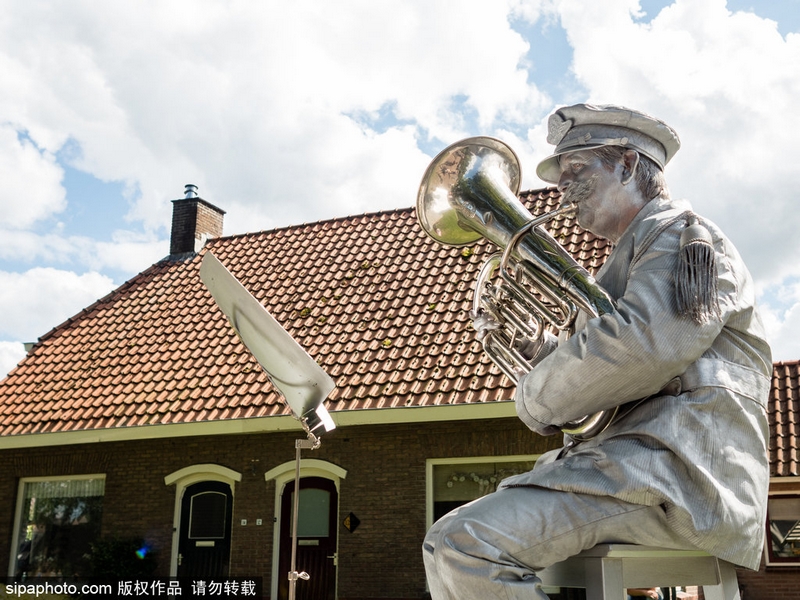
x: 696, y: 282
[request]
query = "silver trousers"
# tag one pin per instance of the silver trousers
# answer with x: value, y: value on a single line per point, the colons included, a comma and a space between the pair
x: 493, y: 546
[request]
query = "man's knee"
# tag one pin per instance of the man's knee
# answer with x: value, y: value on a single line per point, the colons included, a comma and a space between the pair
x: 453, y: 535
x: 461, y: 538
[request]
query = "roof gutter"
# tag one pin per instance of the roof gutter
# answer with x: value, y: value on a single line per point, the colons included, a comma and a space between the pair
x: 348, y: 418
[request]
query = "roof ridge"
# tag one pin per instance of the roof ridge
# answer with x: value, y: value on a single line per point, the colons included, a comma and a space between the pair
x: 786, y: 363
x: 308, y: 223
x: 550, y: 191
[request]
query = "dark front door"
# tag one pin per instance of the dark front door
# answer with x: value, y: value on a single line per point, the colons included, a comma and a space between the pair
x: 316, y: 533
x: 204, y: 545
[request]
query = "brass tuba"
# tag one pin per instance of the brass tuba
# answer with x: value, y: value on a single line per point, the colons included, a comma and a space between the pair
x: 470, y: 191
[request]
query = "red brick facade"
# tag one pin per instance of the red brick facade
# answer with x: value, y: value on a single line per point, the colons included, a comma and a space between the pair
x: 772, y: 583
x: 385, y: 488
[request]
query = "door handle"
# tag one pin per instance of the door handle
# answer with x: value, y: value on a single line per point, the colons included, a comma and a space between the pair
x: 180, y: 559
x: 335, y: 557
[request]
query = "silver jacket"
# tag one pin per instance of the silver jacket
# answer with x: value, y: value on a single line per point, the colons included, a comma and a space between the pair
x: 698, y: 449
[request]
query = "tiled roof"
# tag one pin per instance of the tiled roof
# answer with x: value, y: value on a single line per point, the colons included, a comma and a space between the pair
x: 377, y: 303
x: 784, y: 419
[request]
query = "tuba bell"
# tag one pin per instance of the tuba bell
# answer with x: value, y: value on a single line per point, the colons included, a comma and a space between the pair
x: 470, y: 191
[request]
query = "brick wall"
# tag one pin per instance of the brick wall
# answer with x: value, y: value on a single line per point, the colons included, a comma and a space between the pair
x: 384, y: 488
x: 770, y: 583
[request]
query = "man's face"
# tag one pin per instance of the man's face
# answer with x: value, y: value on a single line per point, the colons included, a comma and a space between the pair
x: 595, y: 190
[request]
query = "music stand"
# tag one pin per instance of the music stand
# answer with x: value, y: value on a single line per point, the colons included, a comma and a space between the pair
x: 303, y: 384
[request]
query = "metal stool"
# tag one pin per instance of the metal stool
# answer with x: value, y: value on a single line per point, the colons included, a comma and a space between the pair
x: 608, y: 569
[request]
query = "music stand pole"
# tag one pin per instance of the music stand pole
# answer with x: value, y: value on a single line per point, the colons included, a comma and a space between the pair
x: 311, y: 443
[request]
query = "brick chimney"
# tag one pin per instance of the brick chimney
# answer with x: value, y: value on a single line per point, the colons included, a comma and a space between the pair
x: 193, y: 222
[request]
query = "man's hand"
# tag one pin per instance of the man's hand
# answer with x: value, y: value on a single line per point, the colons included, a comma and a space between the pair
x: 483, y: 323
x: 532, y: 350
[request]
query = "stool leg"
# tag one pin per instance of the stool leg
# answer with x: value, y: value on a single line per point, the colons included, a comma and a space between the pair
x: 604, y: 579
x: 728, y: 588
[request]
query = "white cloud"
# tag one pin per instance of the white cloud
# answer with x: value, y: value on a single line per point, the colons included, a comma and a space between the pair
x: 782, y: 327
x: 31, y: 181
x: 728, y: 83
x: 780, y: 308
x: 291, y: 112
x: 247, y: 100
x: 10, y: 354
x: 127, y: 252
x: 280, y: 112
x: 34, y: 302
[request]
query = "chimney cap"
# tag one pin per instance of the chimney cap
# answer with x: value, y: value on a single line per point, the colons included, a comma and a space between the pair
x: 190, y: 190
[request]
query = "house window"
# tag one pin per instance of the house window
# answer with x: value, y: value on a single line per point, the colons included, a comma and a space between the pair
x: 783, y: 534
x: 57, y: 519
x: 314, y: 513
x: 207, y: 515
x: 453, y: 482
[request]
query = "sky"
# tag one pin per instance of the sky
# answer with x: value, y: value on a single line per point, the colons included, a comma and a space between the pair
x: 290, y: 112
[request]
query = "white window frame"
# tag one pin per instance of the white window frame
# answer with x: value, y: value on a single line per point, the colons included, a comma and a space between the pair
x: 464, y: 460
x: 769, y: 561
x: 12, y: 559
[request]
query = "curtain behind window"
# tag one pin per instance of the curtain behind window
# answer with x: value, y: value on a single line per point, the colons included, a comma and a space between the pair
x: 58, y: 521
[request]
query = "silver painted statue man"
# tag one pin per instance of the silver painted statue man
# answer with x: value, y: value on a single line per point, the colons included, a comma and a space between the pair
x: 685, y: 468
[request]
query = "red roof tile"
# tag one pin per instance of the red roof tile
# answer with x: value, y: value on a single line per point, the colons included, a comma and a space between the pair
x: 377, y: 303
x: 784, y: 415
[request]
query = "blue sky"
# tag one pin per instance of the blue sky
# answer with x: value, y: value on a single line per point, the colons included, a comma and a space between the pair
x: 286, y: 113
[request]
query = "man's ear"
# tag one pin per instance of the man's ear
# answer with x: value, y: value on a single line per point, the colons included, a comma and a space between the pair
x: 630, y: 160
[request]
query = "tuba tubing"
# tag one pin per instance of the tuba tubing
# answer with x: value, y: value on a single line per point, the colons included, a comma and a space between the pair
x: 469, y: 192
